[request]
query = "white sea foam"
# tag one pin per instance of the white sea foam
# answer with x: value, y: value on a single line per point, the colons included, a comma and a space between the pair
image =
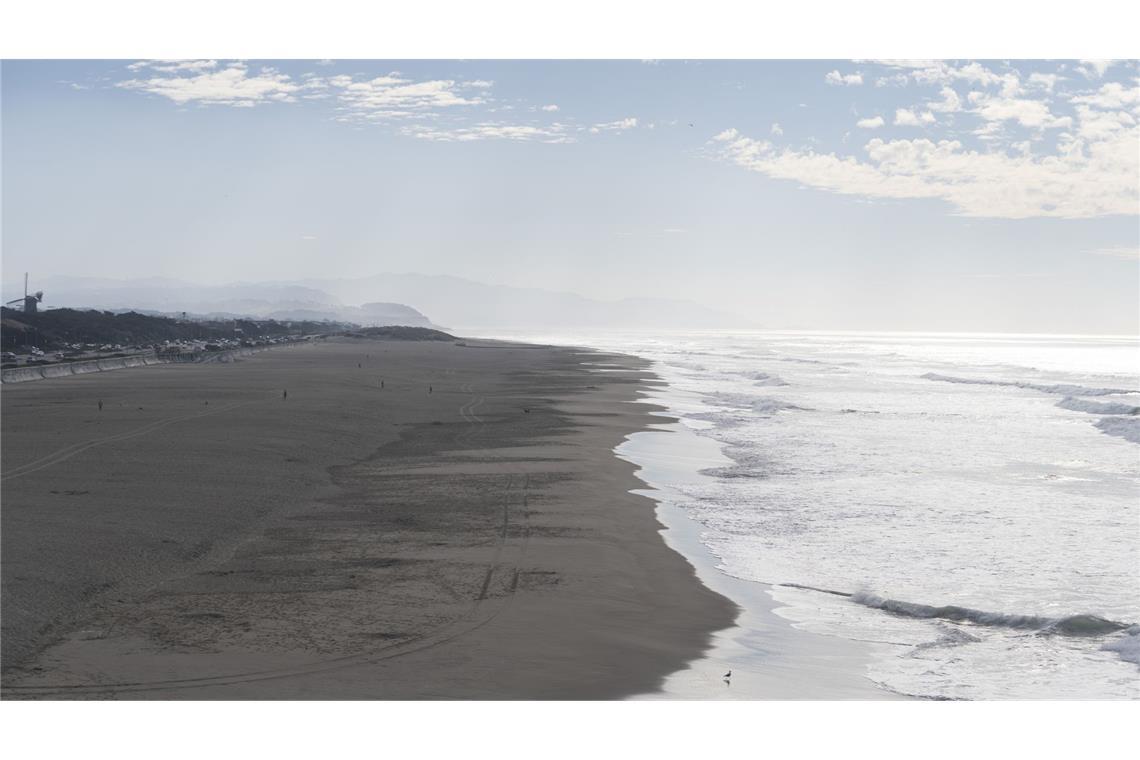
x: 763, y: 379
x: 993, y: 514
x: 928, y: 499
x: 763, y: 405
x: 1066, y: 389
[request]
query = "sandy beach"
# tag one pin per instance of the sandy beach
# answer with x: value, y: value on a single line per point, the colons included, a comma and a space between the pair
x: 462, y: 531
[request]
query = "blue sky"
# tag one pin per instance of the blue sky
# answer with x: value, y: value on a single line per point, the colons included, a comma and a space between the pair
x: 928, y: 195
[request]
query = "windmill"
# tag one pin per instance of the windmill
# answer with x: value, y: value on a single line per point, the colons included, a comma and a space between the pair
x: 30, y: 301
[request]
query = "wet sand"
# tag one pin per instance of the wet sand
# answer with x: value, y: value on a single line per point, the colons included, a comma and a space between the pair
x: 203, y: 537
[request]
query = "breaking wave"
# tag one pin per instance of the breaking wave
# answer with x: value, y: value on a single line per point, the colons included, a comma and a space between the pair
x: 763, y: 379
x: 1127, y: 647
x: 951, y: 637
x: 1070, y: 625
x: 758, y: 404
x: 1062, y: 389
x: 771, y: 406
x: 1074, y: 404
x: 1127, y: 428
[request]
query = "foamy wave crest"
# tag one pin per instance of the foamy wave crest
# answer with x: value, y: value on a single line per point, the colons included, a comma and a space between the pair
x: 1096, y: 407
x: 690, y: 366
x: 1127, y: 647
x: 758, y: 404
x: 1071, y: 625
x: 1061, y: 389
x: 798, y: 360
x: 951, y: 637
x: 763, y: 379
x: 771, y: 406
x: 1127, y: 428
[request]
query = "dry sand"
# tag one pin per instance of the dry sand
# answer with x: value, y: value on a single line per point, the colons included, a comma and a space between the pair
x: 203, y: 537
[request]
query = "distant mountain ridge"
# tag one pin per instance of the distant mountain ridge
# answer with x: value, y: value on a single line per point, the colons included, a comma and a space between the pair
x: 236, y: 300
x: 384, y: 299
x: 460, y: 302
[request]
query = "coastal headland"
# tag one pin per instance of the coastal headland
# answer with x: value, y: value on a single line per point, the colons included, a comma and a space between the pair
x: 347, y: 519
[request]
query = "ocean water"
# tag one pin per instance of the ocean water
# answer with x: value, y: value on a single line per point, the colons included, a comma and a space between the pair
x: 968, y: 503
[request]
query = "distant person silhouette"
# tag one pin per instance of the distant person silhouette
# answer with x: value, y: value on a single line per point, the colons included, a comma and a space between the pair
x: 284, y: 394
x: 429, y: 389
x: 100, y: 405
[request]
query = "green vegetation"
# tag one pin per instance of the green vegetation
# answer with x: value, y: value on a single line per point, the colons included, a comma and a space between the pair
x: 398, y: 332
x: 58, y: 327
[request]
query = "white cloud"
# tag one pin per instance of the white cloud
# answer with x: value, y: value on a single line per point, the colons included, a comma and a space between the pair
x: 1094, y: 68
x: 326, y: 62
x: 950, y: 102
x: 1082, y: 180
x: 620, y: 125
x: 1011, y: 147
x: 422, y: 105
x: 905, y: 117
x: 776, y: 129
x: 929, y: 72
x: 1047, y: 81
x: 835, y: 78
x: 893, y: 80
x: 555, y: 133
x: 393, y: 96
x: 173, y: 66
x: 1034, y: 114
x: 1119, y: 252
x: 1111, y: 95
x: 1102, y: 125
x: 383, y: 97
x: 232, y: 85
x: 974, y: 72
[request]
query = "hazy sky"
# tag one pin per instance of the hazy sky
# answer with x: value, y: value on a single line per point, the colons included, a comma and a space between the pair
x: 950, y: 195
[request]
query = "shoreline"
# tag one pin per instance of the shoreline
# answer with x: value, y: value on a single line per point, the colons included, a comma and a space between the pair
x: 770, y: 659
x: 478, y: 541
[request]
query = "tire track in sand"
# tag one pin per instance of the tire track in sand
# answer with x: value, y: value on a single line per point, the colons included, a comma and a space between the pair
x: 68, y: 452
x: 469, y: 622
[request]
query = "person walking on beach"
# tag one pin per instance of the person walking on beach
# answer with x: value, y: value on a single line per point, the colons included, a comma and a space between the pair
x: 429, y: 390
x: 284, y: 394
x: 100, y: 405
